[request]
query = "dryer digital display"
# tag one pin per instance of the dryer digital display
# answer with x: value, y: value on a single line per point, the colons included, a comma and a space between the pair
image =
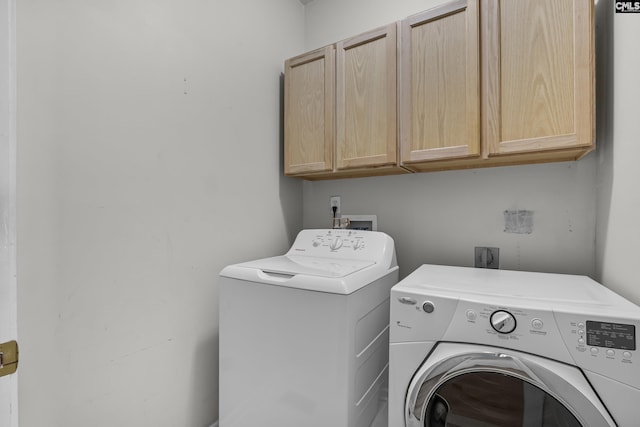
x: 611, y: 335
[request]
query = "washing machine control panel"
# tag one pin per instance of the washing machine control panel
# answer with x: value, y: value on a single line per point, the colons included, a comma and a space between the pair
x: 339, y: 243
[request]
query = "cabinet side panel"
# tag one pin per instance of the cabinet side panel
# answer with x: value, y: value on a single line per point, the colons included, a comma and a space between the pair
x: 537, y: 68
x: 305, y: 116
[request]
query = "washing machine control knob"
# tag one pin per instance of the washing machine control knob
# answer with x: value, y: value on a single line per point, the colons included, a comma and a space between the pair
x: 503, y: 321
x: 336, y: 244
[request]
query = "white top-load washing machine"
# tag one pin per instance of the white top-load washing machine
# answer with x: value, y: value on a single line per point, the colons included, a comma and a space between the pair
x: 304, y: 337
x: 475, y: 347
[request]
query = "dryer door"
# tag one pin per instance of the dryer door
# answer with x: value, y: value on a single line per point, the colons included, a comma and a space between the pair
x: 461, y: 385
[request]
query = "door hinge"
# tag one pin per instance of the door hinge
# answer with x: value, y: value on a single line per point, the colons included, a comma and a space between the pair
x: 8, y: 358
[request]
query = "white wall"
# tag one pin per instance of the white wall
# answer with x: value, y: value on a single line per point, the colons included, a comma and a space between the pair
x: 149, y: 155
x: 440, y: 217
x: 8, y: 290
x: 618, y: 196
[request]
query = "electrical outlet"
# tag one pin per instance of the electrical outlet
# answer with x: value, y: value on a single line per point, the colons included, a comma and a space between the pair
x: 487, y: 257
x: 334, y: 201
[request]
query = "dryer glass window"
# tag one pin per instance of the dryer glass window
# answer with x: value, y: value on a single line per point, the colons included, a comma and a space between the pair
x: 488, y: 399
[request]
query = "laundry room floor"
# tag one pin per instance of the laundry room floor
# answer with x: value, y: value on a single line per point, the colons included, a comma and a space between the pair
x: 382, y: 419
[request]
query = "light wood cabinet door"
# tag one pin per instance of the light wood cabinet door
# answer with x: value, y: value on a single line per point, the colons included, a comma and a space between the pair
x: 538, y: 75
x: 309, y: 108
x: 440, y: 80
x: 366, y: 129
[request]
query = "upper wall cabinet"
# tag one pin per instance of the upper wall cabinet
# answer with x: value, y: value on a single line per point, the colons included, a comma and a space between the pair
x: 538, y: 76
x: 355, y: 84
x: 366, y: 131
x: 440, y: 111
x: 480, y: 83
x: 309, y: 89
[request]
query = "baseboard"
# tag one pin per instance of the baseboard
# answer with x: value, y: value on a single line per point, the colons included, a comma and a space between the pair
x: 214, y: 424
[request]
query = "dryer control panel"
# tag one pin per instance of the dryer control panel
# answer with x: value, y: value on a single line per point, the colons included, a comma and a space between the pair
x: 607, y: 346
x: 442, y: 317
x: 567, y: 318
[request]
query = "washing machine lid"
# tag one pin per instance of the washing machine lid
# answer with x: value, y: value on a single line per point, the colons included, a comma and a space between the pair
x: 295, y: 265
x: 325, y: 260
x: 329, y: 275
x: 464, y: 383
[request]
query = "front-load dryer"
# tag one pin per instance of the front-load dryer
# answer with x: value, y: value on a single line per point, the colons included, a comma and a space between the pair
x: 304, y: 337
x: 493, y: 348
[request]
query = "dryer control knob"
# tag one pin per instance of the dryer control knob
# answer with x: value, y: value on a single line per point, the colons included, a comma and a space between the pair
x: 503, y: 321
x: 336, y: 244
